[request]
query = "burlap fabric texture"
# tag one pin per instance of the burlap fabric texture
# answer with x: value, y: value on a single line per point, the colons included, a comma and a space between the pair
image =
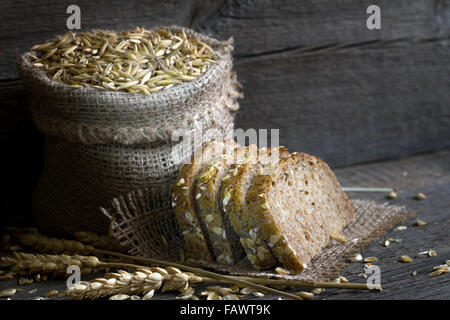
x: 100, y: 144
x: 152, y: 235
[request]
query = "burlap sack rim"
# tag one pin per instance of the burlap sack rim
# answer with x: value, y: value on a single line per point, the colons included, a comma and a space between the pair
x: 144, y: 122
x: 42, y: 75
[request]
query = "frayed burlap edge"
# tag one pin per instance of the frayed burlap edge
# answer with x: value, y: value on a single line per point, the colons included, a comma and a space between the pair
x: 155, y: 234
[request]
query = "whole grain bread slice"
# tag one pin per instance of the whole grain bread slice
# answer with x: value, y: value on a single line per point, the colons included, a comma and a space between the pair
x: 233, y: 192
x: 196, y: 238
x: 297, y: 208
x: 226, y: 249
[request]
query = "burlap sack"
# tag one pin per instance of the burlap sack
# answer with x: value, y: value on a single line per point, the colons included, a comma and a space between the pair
x: 100, y: 144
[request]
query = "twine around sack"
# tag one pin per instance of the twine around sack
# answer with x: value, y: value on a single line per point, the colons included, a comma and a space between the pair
x: 100, y: 144
x: 150, y: 235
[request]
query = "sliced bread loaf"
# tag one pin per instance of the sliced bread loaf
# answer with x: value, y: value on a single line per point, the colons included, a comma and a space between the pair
x: 233, y: 193
x: 296, y: 209
x: 196, y: 240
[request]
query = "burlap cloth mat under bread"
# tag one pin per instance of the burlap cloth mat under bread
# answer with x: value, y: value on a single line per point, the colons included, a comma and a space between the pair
x: 156, y: 235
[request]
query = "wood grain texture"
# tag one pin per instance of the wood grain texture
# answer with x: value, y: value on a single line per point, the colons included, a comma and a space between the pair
x: 261, y: 27
x: 309, y: 68
x: 335, y: 88
x: 428, y: 173
x: 383, y: 104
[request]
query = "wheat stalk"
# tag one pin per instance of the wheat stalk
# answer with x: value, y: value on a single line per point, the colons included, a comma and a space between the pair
x: 27, y: 263
x: 358, y: 189
x: 313, y: 284
x: 43, y: 243
x: 139, y: 282
x: 249, y: 282
x: 203, y: 273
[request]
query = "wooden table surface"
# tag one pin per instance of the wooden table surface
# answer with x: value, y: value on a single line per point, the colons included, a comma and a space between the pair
x: 426, y: 173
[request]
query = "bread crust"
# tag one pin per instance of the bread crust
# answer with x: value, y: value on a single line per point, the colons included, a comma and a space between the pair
x: 233, y: 194
x: 313, y: 233
x: 183, y: 202
x: 208, y: 187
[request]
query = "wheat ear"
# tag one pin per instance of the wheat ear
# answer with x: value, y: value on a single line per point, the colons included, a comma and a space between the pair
x: 41, y: 243
x: 27, y: 263
x: 122, y: 284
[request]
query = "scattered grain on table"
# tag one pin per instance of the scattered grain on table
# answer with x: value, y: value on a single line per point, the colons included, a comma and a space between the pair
x: 406, y: 259
x: 420, y: 223
x: 7, y: 293
x: 420, y: 196
x: 392, y: 195
x: 52, y: 293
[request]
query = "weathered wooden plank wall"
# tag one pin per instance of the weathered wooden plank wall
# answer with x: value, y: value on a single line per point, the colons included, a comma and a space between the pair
x: 310, y: 68
x: 336, y: 88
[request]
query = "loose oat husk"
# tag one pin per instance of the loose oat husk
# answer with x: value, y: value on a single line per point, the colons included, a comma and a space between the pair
x: 420, y: 223
x: 305, y: 294
x: 223, y: 291
x: 406, y: 259
x: 420, y: 196
x: 356, y: 258
x: 52, y: 293
x: 338, y: 237
x: 280, y: 270
x: 8, y: 276
x: 317, y: 291
x: 432, y: 253
x: 148, y: 295
x: 213, y: 296
x: 440, y: 269
x: 7, y: 293
x: 120, y: 297
x: 392, y: 195
x: 370, y: 259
